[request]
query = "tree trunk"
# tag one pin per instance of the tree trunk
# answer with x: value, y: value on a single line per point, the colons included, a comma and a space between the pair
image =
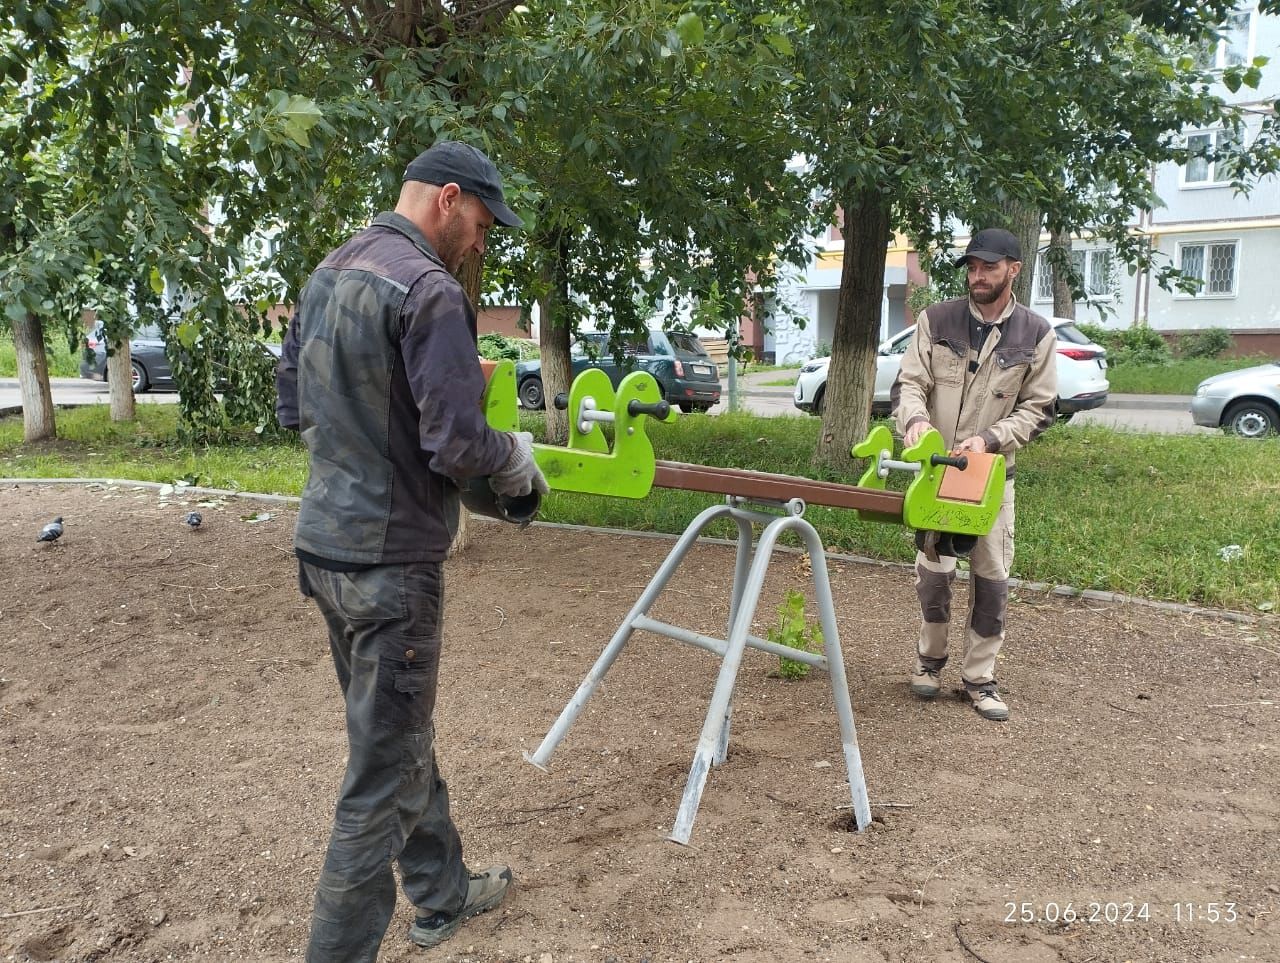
x: 470, y: 273
x: 1023, y: 220
x: 33, y: 380
x: 120, y: 381
x: 553, y: 340
x: 851, y: 377
x: 1064, y: 302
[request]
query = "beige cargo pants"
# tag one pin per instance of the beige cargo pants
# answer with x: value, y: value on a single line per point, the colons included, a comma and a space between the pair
x: 989, y: 564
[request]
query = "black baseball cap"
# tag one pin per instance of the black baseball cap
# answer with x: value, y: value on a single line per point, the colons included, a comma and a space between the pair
x: 453, y: 162
x: 991, y: 244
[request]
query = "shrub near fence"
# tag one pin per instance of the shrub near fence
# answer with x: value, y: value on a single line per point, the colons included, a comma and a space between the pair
x: 1209, y: 343
x: 1129, y: 346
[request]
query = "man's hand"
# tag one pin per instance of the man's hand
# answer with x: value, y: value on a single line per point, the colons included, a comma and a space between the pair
x: 914, y: 433
x: 976, y: 443
x: 521, y: 474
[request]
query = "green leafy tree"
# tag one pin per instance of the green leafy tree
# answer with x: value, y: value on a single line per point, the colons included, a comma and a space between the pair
x: 1096, y: 95
x: 882, y: 112
x: 994, y: 113
x: 168, y: 141
x: 656, y: 138
x: 121, y: 151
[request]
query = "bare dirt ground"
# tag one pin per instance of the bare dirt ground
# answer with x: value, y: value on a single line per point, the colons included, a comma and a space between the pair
x: 171, y: 740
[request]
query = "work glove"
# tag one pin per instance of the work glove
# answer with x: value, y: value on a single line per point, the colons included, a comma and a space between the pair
x: 521, y: 474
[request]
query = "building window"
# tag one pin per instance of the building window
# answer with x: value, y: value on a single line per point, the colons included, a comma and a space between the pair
x: 1201, y: 169
x: 1233, y: 45
x: 1213, y: 264
x: 1094, y: 267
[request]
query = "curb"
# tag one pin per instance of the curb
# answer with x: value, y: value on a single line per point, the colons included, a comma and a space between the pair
x: 1040, y: 588
x: 1153, y: 402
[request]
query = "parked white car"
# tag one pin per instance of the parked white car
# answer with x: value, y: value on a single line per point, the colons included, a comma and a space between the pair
x: 1082, y: 373
x: 1244, y: 402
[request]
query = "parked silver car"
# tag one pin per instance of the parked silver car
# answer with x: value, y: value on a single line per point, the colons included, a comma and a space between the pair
x: 1244, y: 402
x: 1082, y: 373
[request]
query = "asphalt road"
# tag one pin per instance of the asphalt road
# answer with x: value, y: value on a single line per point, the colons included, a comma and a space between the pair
x: 75, y: 391
x: 1163, y: 414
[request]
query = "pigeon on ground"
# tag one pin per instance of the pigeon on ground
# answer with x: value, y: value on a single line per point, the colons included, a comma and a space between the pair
x: 51, y: 532
x: 193, y: 520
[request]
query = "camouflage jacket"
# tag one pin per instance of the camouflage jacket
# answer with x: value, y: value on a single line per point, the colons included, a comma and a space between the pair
x: 379, y: 373
x: 1005, y: 392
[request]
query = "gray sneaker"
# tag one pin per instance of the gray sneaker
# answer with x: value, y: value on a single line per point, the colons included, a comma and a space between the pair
x: 926, y: 677
x: 484, y: 892
x: 987, y: 701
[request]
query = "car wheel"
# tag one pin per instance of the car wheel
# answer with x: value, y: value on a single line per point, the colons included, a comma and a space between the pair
x: 686, y: 407
x: 531, y: 393
x: 1251, y: 419
x: 140, y: 382
x: 818, y: 400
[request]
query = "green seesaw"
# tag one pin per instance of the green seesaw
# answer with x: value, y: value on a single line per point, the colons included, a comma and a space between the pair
x: 628, y: 469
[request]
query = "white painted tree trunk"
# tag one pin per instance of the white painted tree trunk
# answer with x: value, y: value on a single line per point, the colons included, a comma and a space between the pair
x: 120, y: 382
x: 462, y: 539
x: 33, y: 380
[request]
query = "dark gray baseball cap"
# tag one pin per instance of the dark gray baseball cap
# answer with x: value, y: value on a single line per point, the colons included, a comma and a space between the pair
x: 453, y: 162
x: 991, y: 244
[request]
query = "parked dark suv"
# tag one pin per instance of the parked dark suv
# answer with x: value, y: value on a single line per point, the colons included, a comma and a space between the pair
x: 685, y: 373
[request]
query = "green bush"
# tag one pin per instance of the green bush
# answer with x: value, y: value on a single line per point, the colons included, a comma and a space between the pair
x: 1138, y: 344
x: 1209, y: 343
x: 498, y: 347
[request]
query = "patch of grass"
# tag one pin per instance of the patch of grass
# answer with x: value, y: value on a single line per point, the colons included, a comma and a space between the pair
x: 63, y: 362
x: 1147, y: 515
x: 1178, y: 377
x: 91, y: 445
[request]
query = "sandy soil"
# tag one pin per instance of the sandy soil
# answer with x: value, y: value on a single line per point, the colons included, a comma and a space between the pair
x: 171, y: 741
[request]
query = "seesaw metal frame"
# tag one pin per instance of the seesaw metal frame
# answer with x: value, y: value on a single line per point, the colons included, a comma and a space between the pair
x: 628, y: 469
x: 750, y: 567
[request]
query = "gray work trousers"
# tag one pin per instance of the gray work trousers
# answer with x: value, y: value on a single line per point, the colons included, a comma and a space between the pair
x: 989, y: 564
x: 393, y: 807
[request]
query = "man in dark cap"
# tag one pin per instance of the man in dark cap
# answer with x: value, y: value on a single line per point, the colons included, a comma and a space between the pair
x: 982, y: 371
x: 380, y: 374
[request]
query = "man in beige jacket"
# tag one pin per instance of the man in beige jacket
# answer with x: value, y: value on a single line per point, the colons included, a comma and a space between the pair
x: 982, y: 371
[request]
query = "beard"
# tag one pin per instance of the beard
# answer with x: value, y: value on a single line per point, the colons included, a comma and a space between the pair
x: 450, y: 248
x: 993, y: 295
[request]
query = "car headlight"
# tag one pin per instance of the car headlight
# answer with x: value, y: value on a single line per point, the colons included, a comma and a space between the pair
x: 1202, y: 391
x: 810, y: 367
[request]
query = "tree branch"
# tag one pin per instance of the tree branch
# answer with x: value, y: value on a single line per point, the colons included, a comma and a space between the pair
x: 470, y: 17
x: 320, y: 27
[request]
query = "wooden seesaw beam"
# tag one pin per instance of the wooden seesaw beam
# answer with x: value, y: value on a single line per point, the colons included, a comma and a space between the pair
x: 766, y: 486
